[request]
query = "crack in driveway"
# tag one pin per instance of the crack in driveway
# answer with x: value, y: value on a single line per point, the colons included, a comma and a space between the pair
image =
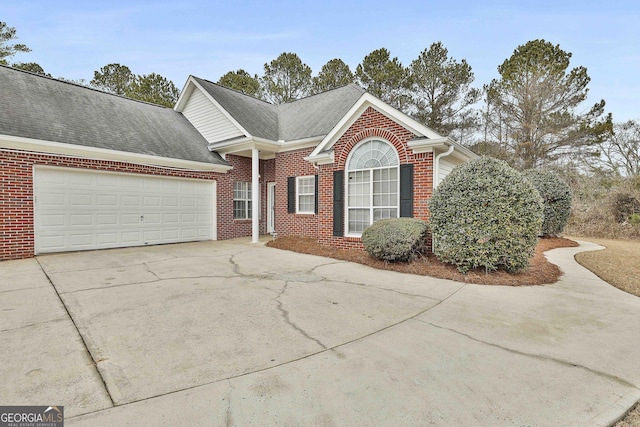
x: 285, y: 316
x: 228, y: 419
x: 82, y: 339
x: 536, y: 356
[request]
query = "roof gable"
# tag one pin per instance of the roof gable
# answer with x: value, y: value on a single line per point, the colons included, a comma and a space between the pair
x: 366, y: 101
x: 45, y: 109
x: 257, y: 118
x: 313, y: 116
x: 211, y: 120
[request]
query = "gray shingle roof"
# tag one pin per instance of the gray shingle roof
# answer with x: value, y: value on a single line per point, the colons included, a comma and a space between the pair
x: 316, y: 115
x: 33, y: 106
x: 308, y: 117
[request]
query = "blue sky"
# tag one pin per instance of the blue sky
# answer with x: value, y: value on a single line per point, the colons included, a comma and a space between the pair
x: 71, y: 39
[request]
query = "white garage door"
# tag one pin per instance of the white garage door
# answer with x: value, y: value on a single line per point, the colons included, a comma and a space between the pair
x: 80, y: 210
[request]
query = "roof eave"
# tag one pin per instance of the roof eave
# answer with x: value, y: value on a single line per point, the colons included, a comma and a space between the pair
x: 263, y: 144
x: 71, y: 150
x: 324, y: 158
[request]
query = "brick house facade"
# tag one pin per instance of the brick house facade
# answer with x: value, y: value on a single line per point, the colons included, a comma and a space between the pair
x: 215, y: 139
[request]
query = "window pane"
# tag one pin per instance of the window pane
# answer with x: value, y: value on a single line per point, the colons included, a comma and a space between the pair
x: 372, y: 167
x: 373, y: 154
x: 306, y: 189
x: 239, y: 209
x: 359, y: 189
x: 306, y: 204
x: 241, y: 200
x: 358, y: 220
x: 384, y: 213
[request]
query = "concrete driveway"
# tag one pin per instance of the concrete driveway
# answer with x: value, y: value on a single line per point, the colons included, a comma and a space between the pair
x: 234, y: 333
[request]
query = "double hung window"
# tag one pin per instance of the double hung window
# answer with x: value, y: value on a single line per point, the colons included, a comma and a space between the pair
x: 372, y: 185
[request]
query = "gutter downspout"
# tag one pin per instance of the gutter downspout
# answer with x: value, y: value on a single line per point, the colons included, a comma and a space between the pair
x: 436, y: 177
x: 436, y: 165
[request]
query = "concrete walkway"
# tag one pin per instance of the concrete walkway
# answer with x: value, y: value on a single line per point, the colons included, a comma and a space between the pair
x: 230, y: 333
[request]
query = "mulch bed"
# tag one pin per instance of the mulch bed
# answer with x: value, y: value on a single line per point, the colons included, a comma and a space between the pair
x: 539, y: 272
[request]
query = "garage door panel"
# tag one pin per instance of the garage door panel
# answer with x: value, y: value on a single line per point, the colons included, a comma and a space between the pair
x: 82, y: 209
x: 107, y: 238
x: 81, y: 240
x: 188, y: 218
x: 80, y: 219
x: 107, y: 200
x: 170, y: 202
x: 153, y: 201
x: 107, y: 219
x: 153, y: 219
x: 188, y: 202
x: 81, y: 200
x: 129, y: 237
x: 129, y: 219
x: 53, y: 199
x: 79, y: 180
x: 53, y: 220
x: 130, y: 200
x: 188, y: 233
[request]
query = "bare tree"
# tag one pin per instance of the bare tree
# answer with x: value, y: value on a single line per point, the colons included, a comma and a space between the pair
x: 619, y: 154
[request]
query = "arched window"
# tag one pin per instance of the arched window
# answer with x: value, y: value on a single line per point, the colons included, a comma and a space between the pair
x: 372, y: 185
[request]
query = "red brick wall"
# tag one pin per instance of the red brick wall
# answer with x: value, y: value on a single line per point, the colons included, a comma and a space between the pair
x: 372, y: 124
x: 16, y: 194
x: 229, y: 228
x: 292, y: 163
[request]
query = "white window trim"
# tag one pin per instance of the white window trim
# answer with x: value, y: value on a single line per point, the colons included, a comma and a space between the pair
x: 246, y: 216
x: 298, y: 194
x: 346, y: 184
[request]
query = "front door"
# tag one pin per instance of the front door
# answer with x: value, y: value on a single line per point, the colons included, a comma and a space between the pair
x: 271, y: 207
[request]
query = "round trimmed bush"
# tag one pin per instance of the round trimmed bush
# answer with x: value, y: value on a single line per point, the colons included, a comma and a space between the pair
x: 396, y: 239
x: 485, y: 214
x: 556, y: 196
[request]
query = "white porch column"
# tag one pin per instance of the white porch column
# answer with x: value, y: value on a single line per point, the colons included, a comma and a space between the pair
x: 255, y: 195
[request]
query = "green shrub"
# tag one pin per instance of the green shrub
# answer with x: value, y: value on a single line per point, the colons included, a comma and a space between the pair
x: 556, y: 196
x: 485, y: 214
x: 634, y: 219
x: 396, y: 239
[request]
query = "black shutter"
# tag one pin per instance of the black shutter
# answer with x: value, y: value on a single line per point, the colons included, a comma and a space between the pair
x: 316, y: 194
x: 338, y: 203
x: 291, y: 194
x: 406, y: 191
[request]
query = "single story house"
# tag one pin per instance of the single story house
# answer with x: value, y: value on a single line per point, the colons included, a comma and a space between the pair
x: 83, y: 169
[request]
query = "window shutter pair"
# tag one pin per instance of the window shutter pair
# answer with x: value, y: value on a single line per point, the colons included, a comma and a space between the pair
x: 291, y: 194
x: 406, y: 197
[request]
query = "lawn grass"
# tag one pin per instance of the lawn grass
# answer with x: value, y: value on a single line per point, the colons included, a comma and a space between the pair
x: 618, y: 264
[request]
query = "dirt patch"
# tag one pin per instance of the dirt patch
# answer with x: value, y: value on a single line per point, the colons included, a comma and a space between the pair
x: 539, y: 272
x: 632, y: 419
x: 618, y: 264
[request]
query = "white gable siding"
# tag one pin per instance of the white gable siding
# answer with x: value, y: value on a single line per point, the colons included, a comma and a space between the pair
x: 446, y: 166
x: 208, y: 119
